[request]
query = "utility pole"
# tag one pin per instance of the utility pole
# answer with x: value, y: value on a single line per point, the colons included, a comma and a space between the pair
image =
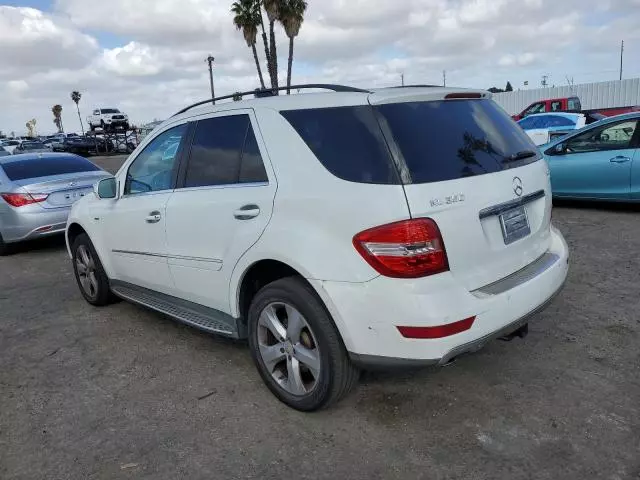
x: 444, y: 78
x: 544, y: 80
x: 621, y: 52
x: 210, y: 60
x: 402, y: 78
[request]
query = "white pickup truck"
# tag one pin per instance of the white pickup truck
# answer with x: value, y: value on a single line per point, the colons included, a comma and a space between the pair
x: 108, y: 119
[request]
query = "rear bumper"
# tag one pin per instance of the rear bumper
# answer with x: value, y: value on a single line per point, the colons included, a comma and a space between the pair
x: 26, y: 223
x: 368, y: 314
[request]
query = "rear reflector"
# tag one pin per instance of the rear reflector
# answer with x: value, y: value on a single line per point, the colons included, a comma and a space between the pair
x: 22, y: 199
x: 453, y: 96
x: 44, y: 229
x: 438, y: 331
x: 407, y: 249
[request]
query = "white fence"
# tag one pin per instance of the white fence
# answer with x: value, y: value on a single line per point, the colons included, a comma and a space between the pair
x: 617, y: 93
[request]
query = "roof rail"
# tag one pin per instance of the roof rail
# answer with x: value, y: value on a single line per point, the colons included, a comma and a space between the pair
x: 268, y: 92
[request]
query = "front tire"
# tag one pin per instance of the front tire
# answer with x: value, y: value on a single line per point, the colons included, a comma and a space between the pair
x: 297, y: 348
x: 90, y: 275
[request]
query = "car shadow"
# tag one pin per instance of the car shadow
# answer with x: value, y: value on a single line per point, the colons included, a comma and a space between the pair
x: 52, y: 243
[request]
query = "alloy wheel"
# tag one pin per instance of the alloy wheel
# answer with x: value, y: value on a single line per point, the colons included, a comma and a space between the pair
x: 86, y: 268
x: 288, y: 348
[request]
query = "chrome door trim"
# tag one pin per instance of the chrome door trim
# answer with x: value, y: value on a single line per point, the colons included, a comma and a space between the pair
x: 175, y: 257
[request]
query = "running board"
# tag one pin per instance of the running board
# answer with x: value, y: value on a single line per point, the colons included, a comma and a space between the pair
x: 193, y: 314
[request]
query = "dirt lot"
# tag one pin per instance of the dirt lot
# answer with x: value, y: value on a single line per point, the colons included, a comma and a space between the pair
x: 121, y: 392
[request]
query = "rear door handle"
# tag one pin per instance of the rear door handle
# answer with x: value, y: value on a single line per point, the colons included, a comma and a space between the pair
x: 247, y: 212
x: 620, y: 159
x: 154, y: 217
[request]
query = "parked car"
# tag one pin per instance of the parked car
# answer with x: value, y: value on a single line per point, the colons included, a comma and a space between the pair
x: 30, y: 147
x: 48, y: 143
x: 108, y: 119
x: 570, y: 104
x: 543, y: 127
x: 10, y: 145
x: 599, y: 162
x: 36, y: 193
x: 289, y: 221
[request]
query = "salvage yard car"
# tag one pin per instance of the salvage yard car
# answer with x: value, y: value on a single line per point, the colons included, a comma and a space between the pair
x: 598, y: 162
x: 108, y: 119
x: 335, y: 231
x: 37, y: 191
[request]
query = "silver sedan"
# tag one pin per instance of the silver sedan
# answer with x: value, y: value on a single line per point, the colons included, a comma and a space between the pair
x: 37, y: 191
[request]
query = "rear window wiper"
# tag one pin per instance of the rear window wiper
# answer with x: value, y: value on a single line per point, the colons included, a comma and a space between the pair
x: 521, y: 155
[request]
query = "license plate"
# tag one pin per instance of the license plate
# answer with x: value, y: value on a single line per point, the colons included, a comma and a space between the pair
x: 515, y: 224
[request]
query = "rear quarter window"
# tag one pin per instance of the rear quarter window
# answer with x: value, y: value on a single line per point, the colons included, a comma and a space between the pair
x: 347, y: 141
x: 46, y: 167
x: 451, y: 139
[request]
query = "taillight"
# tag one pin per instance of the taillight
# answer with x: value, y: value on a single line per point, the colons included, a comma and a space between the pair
x: 407, y: 249
x: 22, y: 199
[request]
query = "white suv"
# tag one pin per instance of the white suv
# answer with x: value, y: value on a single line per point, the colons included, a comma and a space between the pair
x: 336, y: 231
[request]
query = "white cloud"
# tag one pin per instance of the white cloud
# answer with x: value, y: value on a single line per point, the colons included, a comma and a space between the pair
x: 154, y: 63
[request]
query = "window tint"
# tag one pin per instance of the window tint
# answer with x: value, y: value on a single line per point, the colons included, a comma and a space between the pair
x: 556, y: 106
x: 451, y: 139
x: 252, y: 167
x: 606, y: 137
x: 153, y: 169
x: 47, y: 166
x: 216, y: 151
x: 347, y: 141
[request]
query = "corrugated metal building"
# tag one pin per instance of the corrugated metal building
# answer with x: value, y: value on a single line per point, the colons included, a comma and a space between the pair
x: 617, y: 93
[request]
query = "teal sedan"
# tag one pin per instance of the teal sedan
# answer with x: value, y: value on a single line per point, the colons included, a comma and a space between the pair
x: 598, y: 162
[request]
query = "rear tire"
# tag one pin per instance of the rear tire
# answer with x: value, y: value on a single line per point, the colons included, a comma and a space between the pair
x: 309, y: 369
x: 90, y: 275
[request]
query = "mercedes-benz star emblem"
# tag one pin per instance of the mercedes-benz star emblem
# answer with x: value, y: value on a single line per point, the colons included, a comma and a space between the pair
x: 517, y: 186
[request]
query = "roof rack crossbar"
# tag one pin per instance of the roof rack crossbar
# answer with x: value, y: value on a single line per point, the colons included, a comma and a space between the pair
x: 269, y: 91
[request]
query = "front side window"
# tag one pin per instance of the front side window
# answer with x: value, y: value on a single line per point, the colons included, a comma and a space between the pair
x: 153, y: 169
x: 606, y: 137
x: 556, y: 106
x: 224, y: 151
x: 535, y: 108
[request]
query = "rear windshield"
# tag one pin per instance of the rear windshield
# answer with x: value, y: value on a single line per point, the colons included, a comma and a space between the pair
x: 32, y: 146
x: 46, y: 166
x: 452, y: 139
x: 432, y: 141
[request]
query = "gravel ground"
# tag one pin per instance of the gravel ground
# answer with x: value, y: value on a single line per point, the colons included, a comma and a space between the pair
x: 121, y: 392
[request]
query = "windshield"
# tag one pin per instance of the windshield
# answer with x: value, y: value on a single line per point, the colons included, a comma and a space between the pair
x: 452, y: 139
x: 110, y: 110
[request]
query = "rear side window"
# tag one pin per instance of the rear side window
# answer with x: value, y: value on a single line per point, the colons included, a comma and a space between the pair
x: 224, y: 151
x: 347, y: 141
x: 46, y: 167
x: 450, y: 139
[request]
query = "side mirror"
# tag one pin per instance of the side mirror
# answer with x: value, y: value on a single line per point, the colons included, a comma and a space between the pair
x: 106, y: 188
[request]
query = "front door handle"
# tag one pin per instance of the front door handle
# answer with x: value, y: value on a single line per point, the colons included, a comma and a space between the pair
x: 247, y: 212
x: 620, y: 159
x: 154, y: 217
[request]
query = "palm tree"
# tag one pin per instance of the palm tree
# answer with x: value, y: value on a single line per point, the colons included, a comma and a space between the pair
x: 272, y: 8
x: 247, y: 13
x: 292, y: 16
x: 57, y: 117
x: 76, y: 96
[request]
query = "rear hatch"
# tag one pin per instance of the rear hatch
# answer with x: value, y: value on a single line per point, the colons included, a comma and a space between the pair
x: 465, y: 164
x: 64, y: 179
